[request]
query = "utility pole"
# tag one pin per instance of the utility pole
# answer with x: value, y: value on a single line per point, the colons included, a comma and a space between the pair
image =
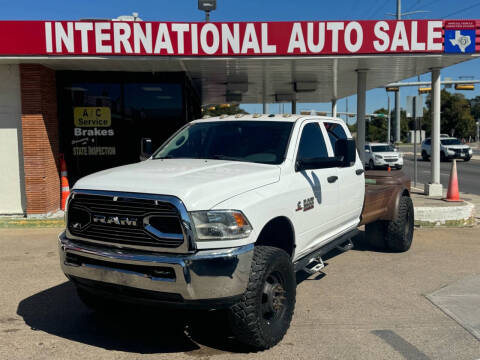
x: 397, y: 93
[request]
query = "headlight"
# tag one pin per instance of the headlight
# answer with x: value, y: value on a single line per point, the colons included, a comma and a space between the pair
x: 378, y: 157
x: 469, y: 151
x: 220, y: 225
x: 400, y: 155
x: 450, y: 150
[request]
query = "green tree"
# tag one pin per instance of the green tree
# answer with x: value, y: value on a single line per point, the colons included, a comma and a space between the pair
x: 475, y: 106
x: 456, y: 115
x: 222, y: 109
x: 376, y: 127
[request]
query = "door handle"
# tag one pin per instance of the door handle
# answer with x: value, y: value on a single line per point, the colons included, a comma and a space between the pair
x: 359, y: 171
x: 332, y: 179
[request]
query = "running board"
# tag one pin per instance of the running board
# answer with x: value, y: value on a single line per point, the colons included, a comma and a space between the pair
x: 304, y: 262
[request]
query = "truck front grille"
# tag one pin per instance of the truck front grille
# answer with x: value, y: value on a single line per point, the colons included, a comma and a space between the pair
x: 125, y: 220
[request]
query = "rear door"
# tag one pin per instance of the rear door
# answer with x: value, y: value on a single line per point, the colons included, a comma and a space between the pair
x: 351, y: 181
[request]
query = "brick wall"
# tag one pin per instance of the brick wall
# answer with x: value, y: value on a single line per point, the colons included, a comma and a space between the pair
x: 40, y: 138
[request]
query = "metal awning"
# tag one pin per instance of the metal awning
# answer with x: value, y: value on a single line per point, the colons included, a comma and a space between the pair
x: 266, y: 79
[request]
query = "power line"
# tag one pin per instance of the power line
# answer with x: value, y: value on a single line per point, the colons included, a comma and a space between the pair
x: 462, y: 10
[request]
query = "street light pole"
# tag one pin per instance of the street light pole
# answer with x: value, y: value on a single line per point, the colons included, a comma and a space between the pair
x: 388, y: 120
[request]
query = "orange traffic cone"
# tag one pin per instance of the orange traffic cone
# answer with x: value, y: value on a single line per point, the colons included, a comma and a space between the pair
x: 64, y: 178
x: 389, y: 168
x: 452, y: 193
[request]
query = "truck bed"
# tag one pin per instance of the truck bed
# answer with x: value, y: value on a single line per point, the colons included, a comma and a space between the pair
x: 382, y: 189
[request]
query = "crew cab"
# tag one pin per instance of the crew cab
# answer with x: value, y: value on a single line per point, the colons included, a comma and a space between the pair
x: 450, y: 148
x: 382, y: 155
x: 224, y: 213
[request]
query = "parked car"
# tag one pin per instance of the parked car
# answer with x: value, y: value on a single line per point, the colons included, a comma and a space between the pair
x: 382, y: 155
x: 450, y: 148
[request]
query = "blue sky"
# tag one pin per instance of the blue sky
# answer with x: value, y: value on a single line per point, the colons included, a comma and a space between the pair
x: 262, y: 10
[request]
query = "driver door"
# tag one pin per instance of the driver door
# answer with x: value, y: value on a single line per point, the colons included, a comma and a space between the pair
x: 315, y: 191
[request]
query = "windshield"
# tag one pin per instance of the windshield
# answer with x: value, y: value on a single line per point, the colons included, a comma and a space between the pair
x: 383, y: 148
x: 450, y: 142
x: 252, y: 141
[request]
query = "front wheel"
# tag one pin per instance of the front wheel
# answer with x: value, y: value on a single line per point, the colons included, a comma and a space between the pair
x: 467, y: 158
x: 442, y: 157
x: 262, y: 317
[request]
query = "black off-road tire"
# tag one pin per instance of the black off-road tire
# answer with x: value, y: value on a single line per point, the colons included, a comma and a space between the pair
x: 249, y: 318
x: 399, y: 231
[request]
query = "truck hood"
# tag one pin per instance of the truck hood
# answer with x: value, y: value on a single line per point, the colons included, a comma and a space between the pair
x: 199, y: 183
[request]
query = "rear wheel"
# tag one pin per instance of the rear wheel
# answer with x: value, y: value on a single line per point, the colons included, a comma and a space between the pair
x: 262, y: 316
x: 399, y: 231
x: 394, y: 235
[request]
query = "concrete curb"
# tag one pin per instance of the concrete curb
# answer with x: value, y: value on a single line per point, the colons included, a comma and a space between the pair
x: 452, y: 216
x: 433, y: 212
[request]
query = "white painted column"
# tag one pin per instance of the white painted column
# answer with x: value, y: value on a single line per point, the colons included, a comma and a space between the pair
x: 12, y: 185
x: 397, y: 116
x: 435, y: 188
x: 334, y: 107
x: 361, y: 111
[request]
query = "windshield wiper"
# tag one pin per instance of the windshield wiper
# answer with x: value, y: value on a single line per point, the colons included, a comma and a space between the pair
x: 224, y: 157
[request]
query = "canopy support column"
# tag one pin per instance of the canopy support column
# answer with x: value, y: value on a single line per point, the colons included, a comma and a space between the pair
x: 434, y: 188
x: 397, y: 116
x: 361, y: 111
x: 334, y: 107
x: 265, y: 108
x: 294, y: 106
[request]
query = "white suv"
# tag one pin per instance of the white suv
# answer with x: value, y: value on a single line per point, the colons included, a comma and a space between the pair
x: 450, y: 148
x: 382, y: 155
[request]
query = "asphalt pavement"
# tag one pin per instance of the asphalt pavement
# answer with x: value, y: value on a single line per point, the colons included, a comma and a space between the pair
x: 468, y: 173
x: 363, y: 305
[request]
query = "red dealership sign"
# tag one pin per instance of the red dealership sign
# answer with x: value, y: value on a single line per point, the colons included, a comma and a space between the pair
x: 220, y: 39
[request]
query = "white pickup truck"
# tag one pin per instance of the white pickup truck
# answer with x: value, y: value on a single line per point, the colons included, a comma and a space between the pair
x: 224, y: 213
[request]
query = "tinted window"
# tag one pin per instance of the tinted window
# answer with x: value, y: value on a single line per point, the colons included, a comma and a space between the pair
x: 312, y: 143
x: 427, y: 142
x: 335, y: 131
x: 382, y: 148
x: 251, y: 141
x: 450, y: 142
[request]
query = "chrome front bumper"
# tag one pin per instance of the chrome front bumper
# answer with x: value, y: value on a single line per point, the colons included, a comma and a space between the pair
x: 205, y: 275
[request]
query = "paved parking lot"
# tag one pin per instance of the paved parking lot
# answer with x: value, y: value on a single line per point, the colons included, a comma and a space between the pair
x: 366, y: 305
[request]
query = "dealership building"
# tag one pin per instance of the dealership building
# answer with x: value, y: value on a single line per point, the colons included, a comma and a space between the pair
x: 91, y: 90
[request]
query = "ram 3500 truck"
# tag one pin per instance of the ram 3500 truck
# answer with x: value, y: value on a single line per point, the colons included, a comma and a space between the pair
x: 224, y: 213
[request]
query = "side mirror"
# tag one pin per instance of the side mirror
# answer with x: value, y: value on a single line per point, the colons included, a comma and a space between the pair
x: 346, y: 152
x: 367, y: 150
x: 146, y: 149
